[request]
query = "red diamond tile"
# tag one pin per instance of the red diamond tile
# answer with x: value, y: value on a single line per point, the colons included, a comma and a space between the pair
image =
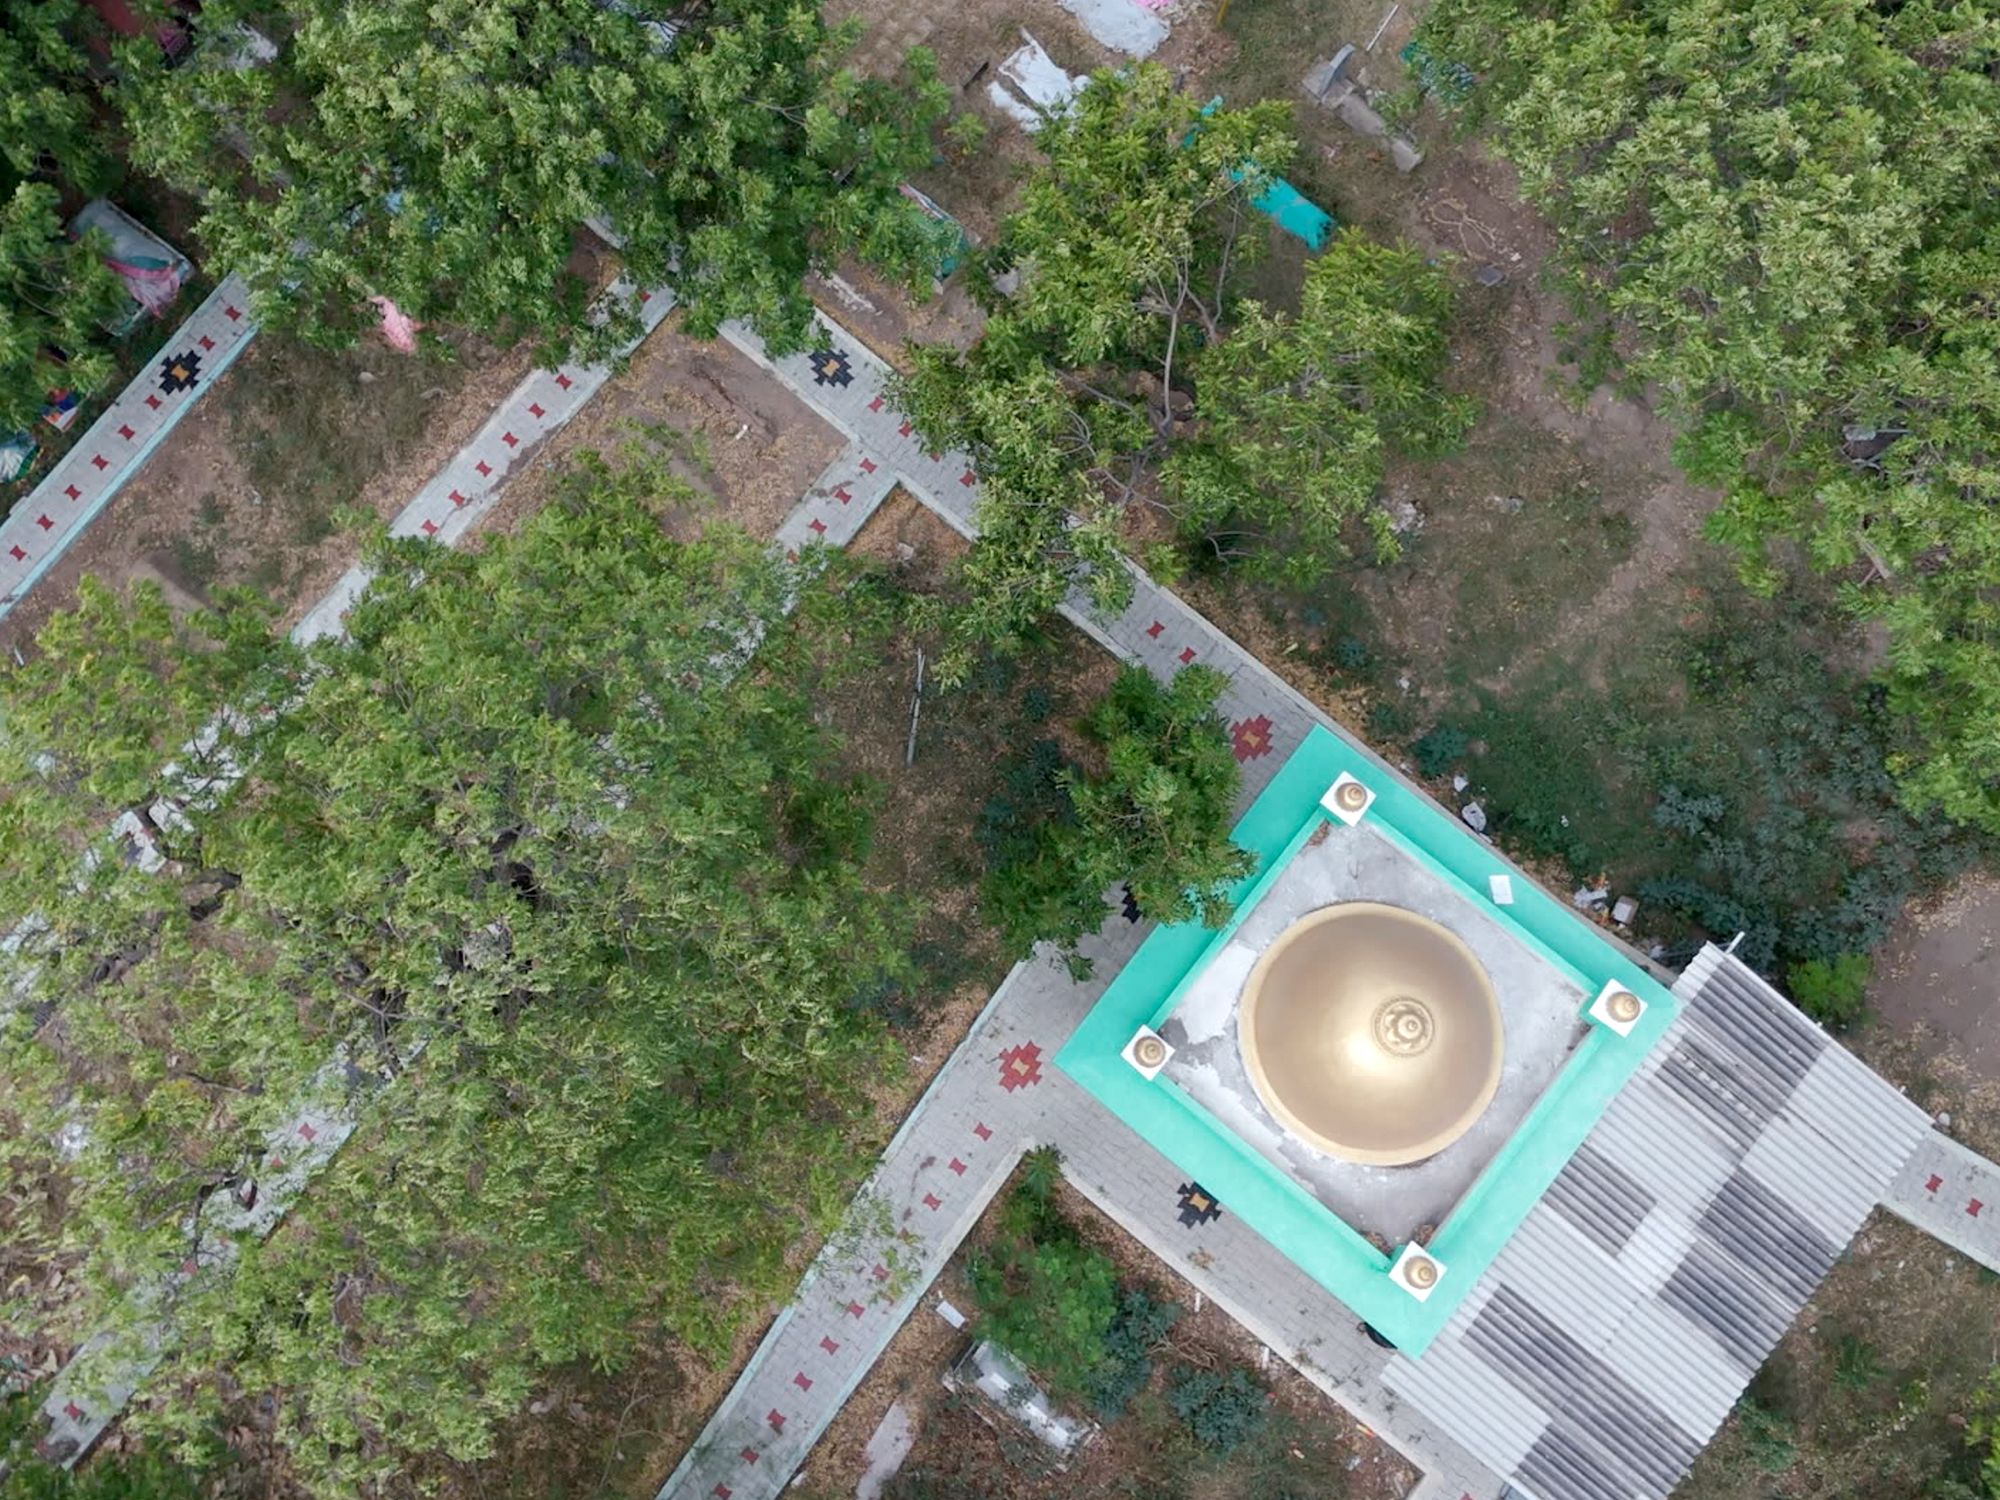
x: 510, y: 440
x: 1973, y: 1208
x: 535, y: 410
x: 957, y: 1166
x: 45, y: 523
x: 876, y: 404
x: 206, y: 342
x: 1020, y: 1066
x: 749, y: 1455
x: 1187, y: 655
x: 1250, y: 738
x: 484, y: 468
x: 803, y: 1381
x: 776, y: 1418
x: 905, y: 430
x: 933, y: 457
x: 830, y: 1344
x: 968, y: 479
x: 868, y: 466
x: 188, y: 1268
x: 983, y: 1131
x: 881, y: 1272
x: 1156, y: 630
x: 127, y: 433
x: 933, y: 1202
x: 855, y: 1309
x: 307, y: 1133
x: 232, y: 313
x: 456, y: 498
x: 430, y: 528
x: 154, y: 402
x: 645, y: 297
x: 1934, y: 1184
x: 818, y: 528
x: 722, y: 1492
x: 275, y: 1164
x: 840, y: 493
x: 17, y: 554
x: 73, y: 492
x: 564, y: 381
x: 100, y: 460
x: 72, y: 1411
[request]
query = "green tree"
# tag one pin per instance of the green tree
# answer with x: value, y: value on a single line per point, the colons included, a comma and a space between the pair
x: 1296, y: 413
x: 1781, y: 216
x: 444, y: 154
x: 46, y: 97
x: 1045, y: 1296
x: 1155, y: 814
x: 55, y: 297
x: 573, y: 892
x: 1127, y: 243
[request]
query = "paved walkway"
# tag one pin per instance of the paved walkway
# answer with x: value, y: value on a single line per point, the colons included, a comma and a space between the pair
x: 55, y: 512
x: 1951, y: 1192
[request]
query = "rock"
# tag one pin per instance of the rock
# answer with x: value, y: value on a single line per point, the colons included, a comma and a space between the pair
x: 367, y: 377
x: 904, y: 552
x: 1458, y: 781
x: 1490, y: 276
x: 1475, y: 817
x: 1511, y: 504
x: 1587, y: 899
x: 1404, y: 517
x: 1944, y: 1118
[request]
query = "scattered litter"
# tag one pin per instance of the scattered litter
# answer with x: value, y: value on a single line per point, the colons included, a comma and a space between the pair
x: 1624, y: 910
x: 1587, y: 898
x: 950, y: 1314
x: 1459, y: 782
x: 1032, y: 87
x: 1489, y: 276
x: 1475, y: 817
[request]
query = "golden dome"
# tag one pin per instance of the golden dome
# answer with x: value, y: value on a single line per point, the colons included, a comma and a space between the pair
x: 1371, y: 1033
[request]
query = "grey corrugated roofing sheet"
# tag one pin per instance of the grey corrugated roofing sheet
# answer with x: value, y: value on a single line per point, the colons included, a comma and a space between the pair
x: 1613, y: 1333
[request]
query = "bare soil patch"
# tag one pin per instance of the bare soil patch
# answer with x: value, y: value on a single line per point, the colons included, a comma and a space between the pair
x: 1938, y: 976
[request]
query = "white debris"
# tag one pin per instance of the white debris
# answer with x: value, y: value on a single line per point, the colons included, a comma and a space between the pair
x: 1032, y: 87
x: 1587, y: 899
x: 1459, y: 782
x: 1475, y: 817
x: 1624, y: 910
x: 950, y: 1314
x: 1120, y: 25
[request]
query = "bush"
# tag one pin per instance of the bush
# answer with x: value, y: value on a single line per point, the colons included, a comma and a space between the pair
x: 1833, y: 990
x: 1439, y: 750
x: 143, y: 1475
x: 1223, y: 1412
x: 1127, y: 1365
x: 1044, y: 1296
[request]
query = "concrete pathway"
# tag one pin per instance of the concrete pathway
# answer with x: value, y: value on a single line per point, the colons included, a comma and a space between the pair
x: 1953, y: 1193
x: 111, y: 450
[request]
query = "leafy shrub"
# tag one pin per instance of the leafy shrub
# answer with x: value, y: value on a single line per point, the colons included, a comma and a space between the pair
x: 143, y: 1475
x: 1127, y: 1365
x: 1767, y: 1437
x: 1352, y: 654
x: 1833, y: 990
x: 1223, y: 1412
x: 1044, y: 1296
x: 1156, y: 817
x: 1437, y: 751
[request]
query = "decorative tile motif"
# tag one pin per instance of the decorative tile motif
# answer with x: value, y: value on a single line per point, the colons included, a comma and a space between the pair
x: 830, y: 1344
x: 1197, y: 1206
x: 832, y: 367
x: 956, y: 1167
x: 776, y: 1418
x: 933, y: 1202
x: 1187, y: 655
x: 1250, y: 738
x: 983, y: 1131
x: 1934, y: 1183
x: 179, y: 372
x: 1020, y: 1066
x: 1972, y: 1208
x: 1155, y: 630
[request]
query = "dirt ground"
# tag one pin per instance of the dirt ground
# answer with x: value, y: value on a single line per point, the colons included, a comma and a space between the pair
x: 1938, y: 976
x: 740, y: 436
x: 952, y: 1437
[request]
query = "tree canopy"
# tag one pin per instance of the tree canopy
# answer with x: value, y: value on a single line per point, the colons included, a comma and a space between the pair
x: 1125, y: 389
x: 1781, y: 215
x: 56, y: 295
x: 527, y: 846
x: 443, y: 155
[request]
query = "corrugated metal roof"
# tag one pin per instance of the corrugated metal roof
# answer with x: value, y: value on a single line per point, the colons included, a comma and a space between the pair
x: 1613, y: 1334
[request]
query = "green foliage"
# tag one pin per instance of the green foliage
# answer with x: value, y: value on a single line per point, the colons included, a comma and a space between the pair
x: 1127, y: 1363
x: 55, y: 297
x: 1833, y: 990
x: 1156, y: 816
x: 1044, y: 1296
x: 1781, y: 214
x: 1438, y: 749
x: 45, y: 95
x: 444, y: 155
x: 1298, y: 412
x: 1982, y: 1434
x: 145, y: 1474
x: 1767, y: 1437
x: 1127, y: 237
x: 1222, y: 1411
x: 517, y: 843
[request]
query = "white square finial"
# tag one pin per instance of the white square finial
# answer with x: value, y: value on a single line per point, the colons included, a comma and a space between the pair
x: 1147, y: 1052
x: 1417, y: 1271
x: 1616, y: 1008
x: 1348, y: 799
